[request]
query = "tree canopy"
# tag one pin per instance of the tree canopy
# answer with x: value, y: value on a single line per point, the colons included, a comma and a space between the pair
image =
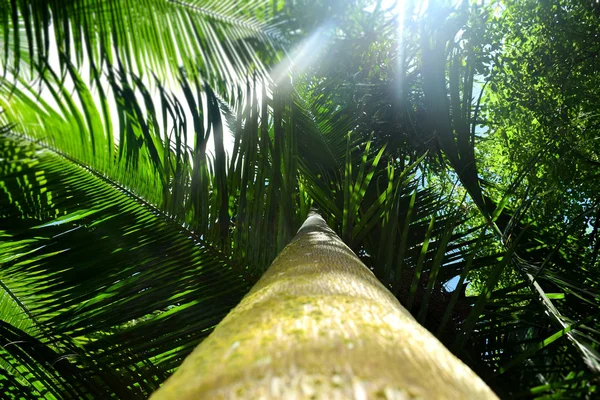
x: 155, y: 157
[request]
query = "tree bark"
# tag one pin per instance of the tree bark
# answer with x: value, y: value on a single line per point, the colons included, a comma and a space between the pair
x: 318, y: 324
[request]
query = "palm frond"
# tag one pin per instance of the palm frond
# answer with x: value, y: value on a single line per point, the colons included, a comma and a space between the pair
x: 223, y: 40
x: 120, y: 309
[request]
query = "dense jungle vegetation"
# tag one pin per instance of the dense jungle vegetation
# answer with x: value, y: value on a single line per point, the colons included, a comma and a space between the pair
x: 156, y: 156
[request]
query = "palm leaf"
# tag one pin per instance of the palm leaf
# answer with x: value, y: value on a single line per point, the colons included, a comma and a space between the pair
x: 57, y: 214
x: 223, y: 40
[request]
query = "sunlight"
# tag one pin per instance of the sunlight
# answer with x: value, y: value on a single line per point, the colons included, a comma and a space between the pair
x: 393, y: 6
x: 304, y: 54
x: 420, y: 6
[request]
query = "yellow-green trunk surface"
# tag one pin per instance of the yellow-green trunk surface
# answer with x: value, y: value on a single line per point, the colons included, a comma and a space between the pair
x: 319, y: 325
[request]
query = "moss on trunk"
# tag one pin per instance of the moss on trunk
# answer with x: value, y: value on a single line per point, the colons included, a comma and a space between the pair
x: 319, y: 324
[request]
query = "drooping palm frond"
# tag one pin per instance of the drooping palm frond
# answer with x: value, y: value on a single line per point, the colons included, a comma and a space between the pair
x: 112, y: 313
x: 160, y: 147
x: 34, y: 369
x: 538, y: 329
x: 222, y: 40
x: 120, y: 296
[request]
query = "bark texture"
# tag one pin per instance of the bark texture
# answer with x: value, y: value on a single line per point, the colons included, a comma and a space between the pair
x: 319, y: 325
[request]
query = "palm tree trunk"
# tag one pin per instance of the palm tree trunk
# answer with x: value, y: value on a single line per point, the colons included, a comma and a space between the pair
x: 318, y: 324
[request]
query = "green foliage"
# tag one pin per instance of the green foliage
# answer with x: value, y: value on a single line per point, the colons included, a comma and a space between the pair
x: 542, y: 108
x: 151, y: 169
